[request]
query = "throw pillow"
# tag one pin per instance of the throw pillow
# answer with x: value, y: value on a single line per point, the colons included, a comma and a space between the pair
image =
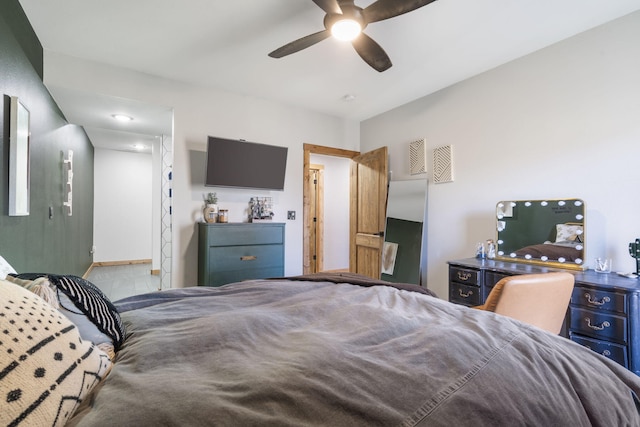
x: 46, y: 368
x: 89, y: 300
x: 58, y: 299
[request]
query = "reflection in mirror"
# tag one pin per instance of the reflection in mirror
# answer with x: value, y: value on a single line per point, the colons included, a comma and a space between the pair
x: 547, y: 232
x: 18, y: 159
x: 404, y: 231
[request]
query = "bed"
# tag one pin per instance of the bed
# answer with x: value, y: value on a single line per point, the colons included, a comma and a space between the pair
x: 343, y: 350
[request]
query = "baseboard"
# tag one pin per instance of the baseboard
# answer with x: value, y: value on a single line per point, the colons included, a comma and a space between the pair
x: 113, y: 263
x: 342, y: 270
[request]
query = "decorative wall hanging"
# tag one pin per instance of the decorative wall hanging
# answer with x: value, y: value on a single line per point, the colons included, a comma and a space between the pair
x: 418, y: 157
x: 443, y: 164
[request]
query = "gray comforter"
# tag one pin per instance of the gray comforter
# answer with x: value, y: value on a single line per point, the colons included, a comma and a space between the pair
x: 300, y: 353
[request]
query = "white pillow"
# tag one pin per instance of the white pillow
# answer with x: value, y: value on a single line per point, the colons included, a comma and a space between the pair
x: 5, y: 268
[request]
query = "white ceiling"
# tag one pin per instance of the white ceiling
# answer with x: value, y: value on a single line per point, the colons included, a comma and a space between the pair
x: 225, y: 44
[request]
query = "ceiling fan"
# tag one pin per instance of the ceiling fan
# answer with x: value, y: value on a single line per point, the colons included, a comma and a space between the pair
x: 346, y: 21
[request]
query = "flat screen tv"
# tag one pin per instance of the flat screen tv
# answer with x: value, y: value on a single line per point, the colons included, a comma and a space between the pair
x: 242, y: 164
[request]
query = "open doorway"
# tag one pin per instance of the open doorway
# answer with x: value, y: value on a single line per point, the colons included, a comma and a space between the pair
x: 316, y: 204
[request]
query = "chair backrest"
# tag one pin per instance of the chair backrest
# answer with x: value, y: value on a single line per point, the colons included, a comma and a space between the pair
x: 537, y: 299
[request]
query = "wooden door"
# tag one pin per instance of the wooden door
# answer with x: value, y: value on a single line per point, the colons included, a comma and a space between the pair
x: 369, y: 179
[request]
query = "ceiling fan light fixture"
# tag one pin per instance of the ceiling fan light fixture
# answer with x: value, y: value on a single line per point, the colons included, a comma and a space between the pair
x: 346, y: 29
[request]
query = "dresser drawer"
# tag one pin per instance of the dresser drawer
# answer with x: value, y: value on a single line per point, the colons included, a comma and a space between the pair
x: 490, y: 280
x: 493, y: 277
x: 615, y: 352
x: 219, y: 278
x: 599, y: 324
x: 464, y: 294
x: 231, y: 235
x: 231, y: 258
x: 463, y: 275
x: 598, y: 299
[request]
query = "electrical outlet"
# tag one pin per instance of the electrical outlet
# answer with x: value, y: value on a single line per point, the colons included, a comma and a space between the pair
x: 291, y: 215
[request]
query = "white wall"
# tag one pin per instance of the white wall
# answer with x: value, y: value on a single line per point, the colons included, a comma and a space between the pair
x: 336, y: 210
x: 562, y: 122
x: 199, y: 112
x: 122, y: 206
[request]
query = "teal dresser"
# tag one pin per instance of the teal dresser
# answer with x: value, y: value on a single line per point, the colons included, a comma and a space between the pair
x: 234, y: 252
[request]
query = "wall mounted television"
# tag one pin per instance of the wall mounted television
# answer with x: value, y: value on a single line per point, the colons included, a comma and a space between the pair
x: 242, y: 164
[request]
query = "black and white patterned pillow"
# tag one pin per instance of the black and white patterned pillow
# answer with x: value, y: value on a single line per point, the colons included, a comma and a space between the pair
x: 89, y: 299
x: 46, y: 368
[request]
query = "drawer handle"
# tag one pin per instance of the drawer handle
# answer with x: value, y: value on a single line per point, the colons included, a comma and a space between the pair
x: 467, y: 295
x: 463, y: 276
x: 602, y: 326
x: 595, y: 301
x: 606, y: 353
x: 248, y: 258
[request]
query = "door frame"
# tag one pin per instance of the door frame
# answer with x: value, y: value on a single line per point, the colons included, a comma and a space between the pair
x: 318, y: 250
x: 309, y: 149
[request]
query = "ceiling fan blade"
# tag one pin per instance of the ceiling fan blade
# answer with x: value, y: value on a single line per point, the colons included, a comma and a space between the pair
x: 329, y: 6
x: 371, y: 52
x: 298, y: 45
x: 385, y: 9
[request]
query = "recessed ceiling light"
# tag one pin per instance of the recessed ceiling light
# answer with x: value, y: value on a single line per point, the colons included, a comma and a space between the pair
x: 348, y: 98
x: 139, y: 147
x: 122, y: 117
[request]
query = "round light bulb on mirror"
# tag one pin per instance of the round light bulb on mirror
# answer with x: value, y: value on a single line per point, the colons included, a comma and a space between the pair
x: 346, y: 29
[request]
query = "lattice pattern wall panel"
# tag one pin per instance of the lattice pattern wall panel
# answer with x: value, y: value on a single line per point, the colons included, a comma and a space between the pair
x: 167, y: 206
x: 443, y: 164
x: 418, y: 157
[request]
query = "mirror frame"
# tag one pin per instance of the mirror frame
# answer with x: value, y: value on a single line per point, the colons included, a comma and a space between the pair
x: 580, y: 217
x: 19, y: 173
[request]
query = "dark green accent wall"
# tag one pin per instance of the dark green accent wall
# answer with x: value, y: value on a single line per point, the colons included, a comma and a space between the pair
x: 37, y: 243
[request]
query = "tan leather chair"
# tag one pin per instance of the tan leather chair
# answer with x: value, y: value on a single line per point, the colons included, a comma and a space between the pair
x: 537, y: 299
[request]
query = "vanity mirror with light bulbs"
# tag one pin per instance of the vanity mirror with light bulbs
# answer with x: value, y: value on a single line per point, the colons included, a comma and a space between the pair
x: 540, y: 236
x: 544, y: 232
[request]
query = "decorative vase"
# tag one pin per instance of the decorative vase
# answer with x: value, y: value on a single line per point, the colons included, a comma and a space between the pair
x: 210, y: 213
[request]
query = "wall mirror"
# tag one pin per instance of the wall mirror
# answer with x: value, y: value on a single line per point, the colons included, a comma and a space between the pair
x: 545, y: 232
x: 404, y: 231
x: 18, y: 159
